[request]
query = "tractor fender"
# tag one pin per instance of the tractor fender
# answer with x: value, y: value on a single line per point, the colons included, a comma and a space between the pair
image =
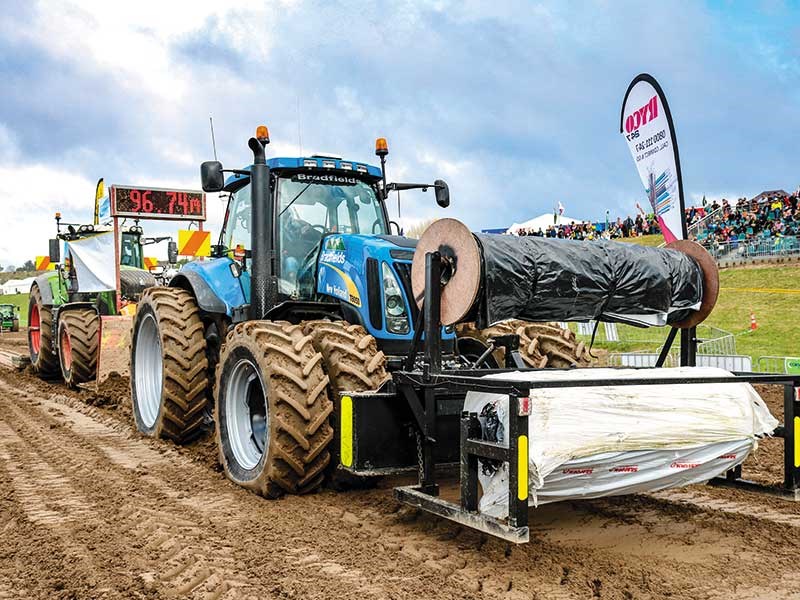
x: 43, y: 281
x: 206, y: 299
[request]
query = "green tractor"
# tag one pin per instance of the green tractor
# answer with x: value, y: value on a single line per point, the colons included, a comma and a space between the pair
x: 66, y: 305
x: 9, y: 317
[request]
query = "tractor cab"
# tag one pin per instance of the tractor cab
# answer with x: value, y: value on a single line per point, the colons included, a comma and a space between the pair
x: 313, y: 197
x: 309, y: 238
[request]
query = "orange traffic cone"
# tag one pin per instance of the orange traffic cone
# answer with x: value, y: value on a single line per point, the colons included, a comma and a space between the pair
x: 753, y: 322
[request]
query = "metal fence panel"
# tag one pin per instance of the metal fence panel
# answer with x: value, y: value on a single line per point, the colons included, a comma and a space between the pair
x: 778, y: 364
x: 729, y: 362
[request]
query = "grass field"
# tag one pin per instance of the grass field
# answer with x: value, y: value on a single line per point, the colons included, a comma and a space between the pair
x: 645, y: 240
x: 772, y: 293
x: 21, y: 300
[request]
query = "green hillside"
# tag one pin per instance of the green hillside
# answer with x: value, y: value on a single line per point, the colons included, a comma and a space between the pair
x: 772, y: 293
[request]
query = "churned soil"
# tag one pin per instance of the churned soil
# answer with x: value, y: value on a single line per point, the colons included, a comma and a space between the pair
x: 89, y: 508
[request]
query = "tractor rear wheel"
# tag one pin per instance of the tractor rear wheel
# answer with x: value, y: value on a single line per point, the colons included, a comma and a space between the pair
x: 169, y: 368
x: 354, y: 364
x: 78, y: 337
x: 541, y: 345
x: 272, y: 409
x: 40, y: 336
x: 15, y: 325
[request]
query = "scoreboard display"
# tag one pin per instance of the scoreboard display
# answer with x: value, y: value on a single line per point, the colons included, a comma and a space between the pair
x: 157, y: 203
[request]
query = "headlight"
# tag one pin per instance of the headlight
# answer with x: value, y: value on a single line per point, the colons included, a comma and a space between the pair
x: 394, y: 307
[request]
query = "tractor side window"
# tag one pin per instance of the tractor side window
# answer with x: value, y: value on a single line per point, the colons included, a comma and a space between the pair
x: 131, y: 251
x: 238, y: 227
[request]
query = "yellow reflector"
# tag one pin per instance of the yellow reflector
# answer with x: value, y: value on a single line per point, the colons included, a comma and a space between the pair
x: 522, y: 467
x: 346, y: 431
x: 796, y: 439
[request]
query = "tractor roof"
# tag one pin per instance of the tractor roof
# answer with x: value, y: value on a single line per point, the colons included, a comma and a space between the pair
x: 316, y: 163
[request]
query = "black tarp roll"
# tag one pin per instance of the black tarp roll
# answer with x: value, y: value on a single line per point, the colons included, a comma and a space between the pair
x: 544, y: 279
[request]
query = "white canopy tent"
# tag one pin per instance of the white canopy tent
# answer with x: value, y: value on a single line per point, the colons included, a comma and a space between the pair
x: 17, y: 286
x: 544, y: 221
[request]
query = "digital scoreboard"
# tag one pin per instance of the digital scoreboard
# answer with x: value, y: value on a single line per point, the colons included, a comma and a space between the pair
x: 157, y: 203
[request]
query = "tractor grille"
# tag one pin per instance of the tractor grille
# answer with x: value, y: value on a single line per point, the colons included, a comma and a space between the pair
x: 404, y: 272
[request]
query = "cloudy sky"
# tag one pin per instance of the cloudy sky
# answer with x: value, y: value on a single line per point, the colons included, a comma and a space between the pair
x: 515, y: 104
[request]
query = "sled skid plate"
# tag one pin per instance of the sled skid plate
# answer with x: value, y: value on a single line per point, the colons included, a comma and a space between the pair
x: 475, y: 520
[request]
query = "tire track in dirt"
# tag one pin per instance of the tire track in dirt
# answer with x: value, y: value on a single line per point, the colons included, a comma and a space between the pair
x: 160, y: 524
x: 175, y: 554
x: 698, y: 499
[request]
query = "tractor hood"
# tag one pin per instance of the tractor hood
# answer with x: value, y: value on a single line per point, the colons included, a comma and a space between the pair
x: 351, y: 268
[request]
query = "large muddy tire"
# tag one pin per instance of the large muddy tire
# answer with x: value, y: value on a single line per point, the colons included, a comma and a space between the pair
x: 351, y: 356
x: 15, y: 325
x: 541, y: 345
x: 40, y: 337
x: 78, y: 344
x: 354, y: 364
x: 272, y: 409
x: 169, y: 368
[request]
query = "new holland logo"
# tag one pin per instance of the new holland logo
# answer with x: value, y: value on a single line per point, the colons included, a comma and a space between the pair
x: 334, y: 242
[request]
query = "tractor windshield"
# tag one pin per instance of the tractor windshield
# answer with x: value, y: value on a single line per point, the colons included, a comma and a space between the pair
x: 6, y: 311
x: 312, y: 205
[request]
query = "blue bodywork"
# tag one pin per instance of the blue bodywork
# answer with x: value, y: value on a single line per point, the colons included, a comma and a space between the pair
x: 339, y: 268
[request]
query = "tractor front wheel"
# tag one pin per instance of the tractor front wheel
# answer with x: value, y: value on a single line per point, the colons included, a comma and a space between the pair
x: 78, y: 345
x: 40, y: 336
x: 168, y: 365
x: 272, y: 409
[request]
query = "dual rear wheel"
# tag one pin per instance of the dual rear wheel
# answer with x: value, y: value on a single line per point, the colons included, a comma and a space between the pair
x: 78, y: 341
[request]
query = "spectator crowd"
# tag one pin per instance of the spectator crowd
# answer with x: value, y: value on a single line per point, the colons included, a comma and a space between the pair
x: 629, y: 227
x: 765, y: 217
x: 726, y: 225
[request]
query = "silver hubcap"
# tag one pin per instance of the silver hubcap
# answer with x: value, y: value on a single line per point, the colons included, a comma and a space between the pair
x: 246, y: 416
x: 149, y: 368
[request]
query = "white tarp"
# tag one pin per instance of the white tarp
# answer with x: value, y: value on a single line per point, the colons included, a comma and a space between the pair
x: 674, y: 435
x: 93, y: 258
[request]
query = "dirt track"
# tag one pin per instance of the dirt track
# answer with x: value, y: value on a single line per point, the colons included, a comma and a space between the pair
x: 90, y: 509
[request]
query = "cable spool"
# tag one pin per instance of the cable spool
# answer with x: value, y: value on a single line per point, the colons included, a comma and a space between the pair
x: 541, y: 279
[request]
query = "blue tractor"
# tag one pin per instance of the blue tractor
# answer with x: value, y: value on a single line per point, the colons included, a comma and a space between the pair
x: 309, y: 296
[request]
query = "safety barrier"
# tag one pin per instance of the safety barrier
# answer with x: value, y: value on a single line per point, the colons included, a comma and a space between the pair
x: 778, y: 364
x: 771, y: 247
x: 729, y: 362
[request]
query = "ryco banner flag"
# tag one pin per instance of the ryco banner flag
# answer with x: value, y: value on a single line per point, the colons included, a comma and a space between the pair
x: 647, y: 126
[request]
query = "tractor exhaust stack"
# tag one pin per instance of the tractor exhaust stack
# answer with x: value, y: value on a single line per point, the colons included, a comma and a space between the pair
x: 263, y: 282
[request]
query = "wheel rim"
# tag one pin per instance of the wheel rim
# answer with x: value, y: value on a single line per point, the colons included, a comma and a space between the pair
x: 246, y: 415
x: 66, y: 350
x: 34, y: 329
x: 149, y: 367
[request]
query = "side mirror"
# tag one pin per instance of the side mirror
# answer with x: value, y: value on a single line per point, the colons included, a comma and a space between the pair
x: 442, y: 193
x: 55, y: 251
x: 172, y: 252
x: 211, y: 176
